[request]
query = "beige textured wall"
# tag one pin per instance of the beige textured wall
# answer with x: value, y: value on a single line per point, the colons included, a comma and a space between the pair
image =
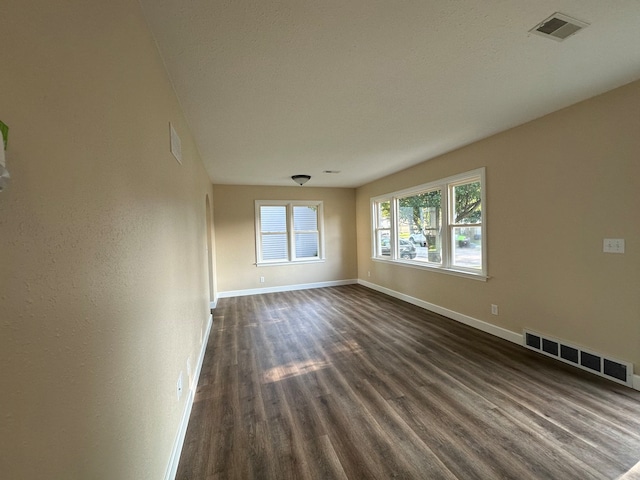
x: 556, y: 187
x: 103, y: 277
x: 234, y: 221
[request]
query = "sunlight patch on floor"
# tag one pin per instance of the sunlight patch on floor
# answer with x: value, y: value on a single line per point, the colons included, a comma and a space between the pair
x: 346, y: 346
x: 292, y: 369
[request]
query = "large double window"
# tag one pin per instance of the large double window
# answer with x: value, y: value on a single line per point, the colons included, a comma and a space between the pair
x: 288, y: 232
x: 436, y: 225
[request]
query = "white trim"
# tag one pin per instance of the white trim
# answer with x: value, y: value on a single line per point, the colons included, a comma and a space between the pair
x: 467, y: 320
x: 433, y: 268
x: 285, y: 288
x: 632, y: 473
x: 458, y: 317
x: 446, y: 187
x: 459, y: 178
x: 213, y: 304
x: 278, y: 263
x: 290, y: 231
x: 172, y: 467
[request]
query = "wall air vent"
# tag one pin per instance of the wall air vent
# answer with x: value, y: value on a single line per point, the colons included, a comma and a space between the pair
x: 616, y: 370
x: 558, y: 27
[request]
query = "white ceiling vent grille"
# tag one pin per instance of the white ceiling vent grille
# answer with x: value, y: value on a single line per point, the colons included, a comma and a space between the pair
x: 558, y: 27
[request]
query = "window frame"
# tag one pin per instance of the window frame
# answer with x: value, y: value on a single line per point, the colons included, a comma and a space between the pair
x: 290, y: 231
x: 377, y: 229
x: 446, y: 186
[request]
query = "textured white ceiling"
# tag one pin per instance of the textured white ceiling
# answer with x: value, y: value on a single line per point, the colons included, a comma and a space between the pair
x: 369, y: 87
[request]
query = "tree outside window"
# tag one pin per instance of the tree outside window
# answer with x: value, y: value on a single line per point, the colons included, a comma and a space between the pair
x: 443, y: 219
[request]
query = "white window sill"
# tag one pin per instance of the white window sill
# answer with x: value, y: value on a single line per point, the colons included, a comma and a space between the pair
x: 434, y: 268
x: 279, y: 264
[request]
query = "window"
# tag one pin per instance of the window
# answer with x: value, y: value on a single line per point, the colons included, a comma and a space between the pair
x: 437, y: 225
x: 383, y: 222
x: 288, y: 232
x: 465, y: 224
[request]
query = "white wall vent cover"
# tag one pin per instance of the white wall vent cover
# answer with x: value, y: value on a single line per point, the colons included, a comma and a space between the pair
x: 616, y: 370
x: 558, y: 27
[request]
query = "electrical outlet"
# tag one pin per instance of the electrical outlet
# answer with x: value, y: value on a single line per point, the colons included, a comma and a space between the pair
x: 494, y: 309
x: 261, y: 279
x: 179, y: 385
x: 368, y: 274
x: 613, y: 245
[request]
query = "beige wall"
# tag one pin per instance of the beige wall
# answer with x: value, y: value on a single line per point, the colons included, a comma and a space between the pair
x: 103, y: 276
x: 103, y: 264
x: 556, y: 187
x: 234, y: 220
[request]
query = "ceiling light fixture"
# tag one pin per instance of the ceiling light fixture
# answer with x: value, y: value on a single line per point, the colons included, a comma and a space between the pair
x: 301, y: 179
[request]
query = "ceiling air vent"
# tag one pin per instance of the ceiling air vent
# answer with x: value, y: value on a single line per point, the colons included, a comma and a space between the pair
x: 558, y: 27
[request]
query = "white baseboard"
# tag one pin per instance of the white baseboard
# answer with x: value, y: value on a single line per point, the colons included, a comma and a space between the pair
x: 285, y: 288
x: 467, y: 320
x: 459, y: 317
x: 500, y: 332
x: 172, y: 467
x: 213, y: 304
x: 632, y: 474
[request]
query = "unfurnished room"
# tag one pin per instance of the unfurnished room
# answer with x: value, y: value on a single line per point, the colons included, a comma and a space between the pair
x: 320, y: 240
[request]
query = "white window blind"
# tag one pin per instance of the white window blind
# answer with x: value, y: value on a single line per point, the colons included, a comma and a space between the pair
x: 288, y: 231
x: 273, y: 232
x: 305, y: 226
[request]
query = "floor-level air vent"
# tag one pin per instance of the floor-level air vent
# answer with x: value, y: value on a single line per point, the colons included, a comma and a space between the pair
x: 558, y: 27
x: 616, y: 370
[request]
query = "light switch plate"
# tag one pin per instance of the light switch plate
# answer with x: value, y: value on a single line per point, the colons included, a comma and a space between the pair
x: 613, y: 245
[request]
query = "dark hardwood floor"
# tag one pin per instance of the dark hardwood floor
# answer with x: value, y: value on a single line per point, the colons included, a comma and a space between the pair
x: 348, y: 383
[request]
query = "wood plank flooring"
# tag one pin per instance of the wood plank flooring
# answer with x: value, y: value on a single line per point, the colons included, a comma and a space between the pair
x: 348, y: 383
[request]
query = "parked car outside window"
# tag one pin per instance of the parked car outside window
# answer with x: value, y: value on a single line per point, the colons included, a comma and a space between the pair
x: 406, y: 249
x: 418, y: 238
